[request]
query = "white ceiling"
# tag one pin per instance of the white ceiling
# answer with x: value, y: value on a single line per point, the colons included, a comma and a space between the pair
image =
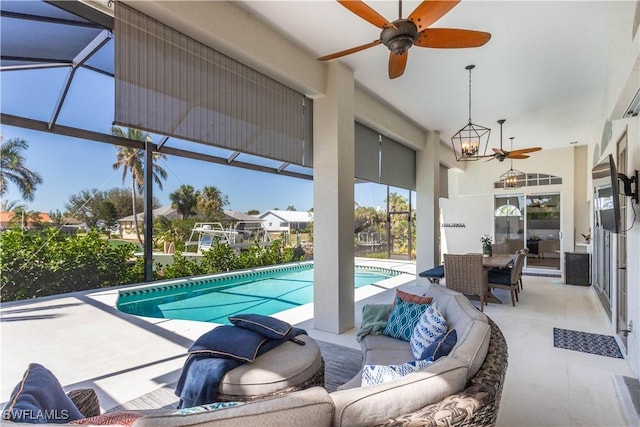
x: 544, y: 69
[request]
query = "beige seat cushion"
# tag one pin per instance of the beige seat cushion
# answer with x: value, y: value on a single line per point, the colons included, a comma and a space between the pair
x: 310, y: 407
x: 371, y: 405
x: 285, y: 366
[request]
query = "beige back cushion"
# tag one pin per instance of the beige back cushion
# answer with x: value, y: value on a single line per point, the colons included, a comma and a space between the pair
x: 365, y: 406
x: 311, y: 407
x: 471, y: 326
x: 472, y: 346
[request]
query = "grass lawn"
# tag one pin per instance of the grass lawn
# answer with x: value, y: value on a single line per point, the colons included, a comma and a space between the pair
x: 119, y: 242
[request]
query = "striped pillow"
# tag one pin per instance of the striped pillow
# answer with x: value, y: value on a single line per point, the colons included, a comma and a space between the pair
x: 408, y: 297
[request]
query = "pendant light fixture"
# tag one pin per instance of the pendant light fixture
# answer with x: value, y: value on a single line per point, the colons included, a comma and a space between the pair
x: 511, y: 178
x: 470, y: 142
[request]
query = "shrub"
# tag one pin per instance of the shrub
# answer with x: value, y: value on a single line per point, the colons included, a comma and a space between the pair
x: 35, y: 264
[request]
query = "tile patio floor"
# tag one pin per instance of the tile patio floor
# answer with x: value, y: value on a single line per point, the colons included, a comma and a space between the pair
x: 87, y: 342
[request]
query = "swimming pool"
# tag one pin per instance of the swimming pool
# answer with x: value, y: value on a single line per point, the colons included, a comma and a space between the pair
x: 213, y: 298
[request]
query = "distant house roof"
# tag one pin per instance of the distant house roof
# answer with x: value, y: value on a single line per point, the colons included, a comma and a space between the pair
x: 5, y: 218
x: 241, y: 216
x: 289, y: 216
x: 165, y: 211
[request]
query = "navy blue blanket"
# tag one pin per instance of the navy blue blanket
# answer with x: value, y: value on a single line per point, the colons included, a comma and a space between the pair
x: 202, y: 372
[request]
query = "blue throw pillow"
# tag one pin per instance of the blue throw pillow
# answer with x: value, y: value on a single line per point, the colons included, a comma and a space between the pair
x: 403, y: 319
x: 40, y: 399
x: 441, y: 347
x: 267, y: 326
x: 229, y: 342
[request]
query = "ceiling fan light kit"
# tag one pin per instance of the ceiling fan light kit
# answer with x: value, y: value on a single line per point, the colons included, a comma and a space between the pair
x: 469, y: 141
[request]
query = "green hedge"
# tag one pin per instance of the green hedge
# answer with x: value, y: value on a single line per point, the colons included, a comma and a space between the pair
x: 36, y: 264
x: 222, y: 257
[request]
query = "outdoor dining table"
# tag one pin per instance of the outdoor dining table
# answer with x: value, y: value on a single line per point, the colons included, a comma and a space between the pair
x: 497, y: 261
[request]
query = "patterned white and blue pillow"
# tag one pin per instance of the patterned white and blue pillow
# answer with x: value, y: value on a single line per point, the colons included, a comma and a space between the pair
x: 403, y: 319
x: 210, y: 407
x: 377, y: 374
x: 430, y: 326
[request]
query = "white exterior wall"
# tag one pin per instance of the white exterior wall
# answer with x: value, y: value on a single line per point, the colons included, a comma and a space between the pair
x: 471, y: 197
x: 274, y: 224
x: 624, y: 82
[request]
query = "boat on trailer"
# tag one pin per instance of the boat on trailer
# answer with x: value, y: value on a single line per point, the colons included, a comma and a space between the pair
x: 240, y: 236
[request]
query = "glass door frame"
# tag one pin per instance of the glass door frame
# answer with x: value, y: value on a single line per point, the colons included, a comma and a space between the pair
x: 511, y: 245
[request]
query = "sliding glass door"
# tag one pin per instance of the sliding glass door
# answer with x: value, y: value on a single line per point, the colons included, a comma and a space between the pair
x: 543, y: 231
x: 531, y: 221
x: 509, y: 224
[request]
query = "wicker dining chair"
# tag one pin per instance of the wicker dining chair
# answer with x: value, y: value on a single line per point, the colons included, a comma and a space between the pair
x: 465, y: 274
x: 511, y: 281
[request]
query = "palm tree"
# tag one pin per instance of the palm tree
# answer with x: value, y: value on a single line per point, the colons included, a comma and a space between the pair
x: 131, y: 160
x: 184, y: 200
x: 211, y: 201
x: 11, y: 205
x: 12, y: 168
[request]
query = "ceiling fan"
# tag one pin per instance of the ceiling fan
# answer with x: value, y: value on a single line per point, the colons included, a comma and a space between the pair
x: 398, y: 36
x: 500, y: 154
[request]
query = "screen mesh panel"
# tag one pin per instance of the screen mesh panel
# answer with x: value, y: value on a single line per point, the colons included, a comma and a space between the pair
x: 171, y: 84
x: 397, y: 165
x: 383, y: 160
x: 367, y: 146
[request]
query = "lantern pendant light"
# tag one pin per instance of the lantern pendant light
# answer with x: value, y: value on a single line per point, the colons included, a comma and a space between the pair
x: 470, y: 142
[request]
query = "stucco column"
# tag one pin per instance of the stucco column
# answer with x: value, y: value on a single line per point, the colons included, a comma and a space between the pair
x: 428, y: 203
x: 333, y: 193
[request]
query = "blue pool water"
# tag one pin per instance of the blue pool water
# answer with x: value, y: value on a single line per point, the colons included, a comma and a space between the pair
x: 214, y: 298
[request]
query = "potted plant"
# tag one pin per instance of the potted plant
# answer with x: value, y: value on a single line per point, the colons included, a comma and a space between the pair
x: 486, y: 240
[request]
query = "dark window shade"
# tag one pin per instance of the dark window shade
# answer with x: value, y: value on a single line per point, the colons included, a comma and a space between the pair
x: 397, y: 165
x: 444, y: 181
x: 367, y: 147
x: 383, y: 160
x: 170, y: 84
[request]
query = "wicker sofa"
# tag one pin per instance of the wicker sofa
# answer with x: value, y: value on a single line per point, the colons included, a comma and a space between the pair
x: 475, y: 404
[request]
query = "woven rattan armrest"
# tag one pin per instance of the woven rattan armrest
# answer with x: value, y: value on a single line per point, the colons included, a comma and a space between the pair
x: 86, y: 400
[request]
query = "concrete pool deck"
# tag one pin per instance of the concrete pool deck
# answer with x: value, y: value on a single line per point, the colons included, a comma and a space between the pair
x: 87, y: 343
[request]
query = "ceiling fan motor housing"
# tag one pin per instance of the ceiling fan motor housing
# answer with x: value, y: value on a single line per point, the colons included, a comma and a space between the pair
x: 400, y: 38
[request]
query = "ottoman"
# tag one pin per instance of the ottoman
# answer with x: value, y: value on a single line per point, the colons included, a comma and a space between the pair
x: 434, y: 274
x: 284, y: 369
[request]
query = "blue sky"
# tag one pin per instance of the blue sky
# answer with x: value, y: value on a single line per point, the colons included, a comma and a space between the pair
x: 68, y: 165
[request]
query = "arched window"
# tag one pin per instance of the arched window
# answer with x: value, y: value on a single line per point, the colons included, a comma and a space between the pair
x: 508, y: 210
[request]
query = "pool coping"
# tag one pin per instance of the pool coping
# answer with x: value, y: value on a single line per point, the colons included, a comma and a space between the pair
x: 222, y: 277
